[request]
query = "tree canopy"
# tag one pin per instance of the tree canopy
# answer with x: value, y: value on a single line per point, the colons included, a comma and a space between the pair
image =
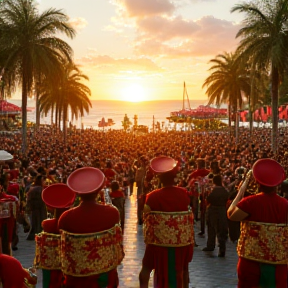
x: 29, y: 43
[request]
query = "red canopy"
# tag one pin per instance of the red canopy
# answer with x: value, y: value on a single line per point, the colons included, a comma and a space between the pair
x: 8, y: 107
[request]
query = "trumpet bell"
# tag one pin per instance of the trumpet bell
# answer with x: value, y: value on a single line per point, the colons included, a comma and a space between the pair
x: 252, y: 187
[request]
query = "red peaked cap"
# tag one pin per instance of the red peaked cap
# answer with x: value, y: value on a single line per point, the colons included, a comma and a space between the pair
x: 163, y: 164
x: 268, y: 172
x: 58, y: 195
x: 86, y: 180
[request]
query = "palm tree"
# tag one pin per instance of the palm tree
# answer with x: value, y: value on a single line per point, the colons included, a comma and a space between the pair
x: 283, y: 90
x: 259, y: 84
x: 6, y: 89
x: 264, y: 40
x: 227, y: 83
x: 28, y: 40
x: 69, y: 92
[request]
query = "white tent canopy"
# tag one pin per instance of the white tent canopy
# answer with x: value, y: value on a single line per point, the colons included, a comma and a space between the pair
x: 4, y: 155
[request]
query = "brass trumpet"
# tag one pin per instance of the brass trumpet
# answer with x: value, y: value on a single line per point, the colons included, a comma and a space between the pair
x: 30, y: 280
x: 252, y: 187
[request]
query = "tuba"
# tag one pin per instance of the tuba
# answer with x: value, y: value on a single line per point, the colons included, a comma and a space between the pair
x: 252, y: 187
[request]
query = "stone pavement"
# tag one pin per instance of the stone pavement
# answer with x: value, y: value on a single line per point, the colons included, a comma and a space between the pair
x: 206, y: 270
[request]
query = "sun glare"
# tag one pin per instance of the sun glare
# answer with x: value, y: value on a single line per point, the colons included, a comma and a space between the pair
x: 133, y: 93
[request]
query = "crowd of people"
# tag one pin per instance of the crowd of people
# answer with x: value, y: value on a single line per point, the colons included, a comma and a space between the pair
x: 124, y: 159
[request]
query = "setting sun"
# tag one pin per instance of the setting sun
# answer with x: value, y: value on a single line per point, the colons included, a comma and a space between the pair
x: 133, y: 93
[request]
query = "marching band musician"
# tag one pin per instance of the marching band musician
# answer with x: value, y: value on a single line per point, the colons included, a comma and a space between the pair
x: 168, y: 230
x: 13, y: 190
x: 197, y: 176
x: 58, y: 198
x: 13, y: 275
x: 91, y: 237
x: 233, y: 226
x: 7, y: 219
x: 262, y: 247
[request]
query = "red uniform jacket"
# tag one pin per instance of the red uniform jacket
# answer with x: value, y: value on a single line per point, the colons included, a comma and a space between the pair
x: 267, y: 208
x: 168, y: 199
x: 9, y: 221
x: 11, y: 272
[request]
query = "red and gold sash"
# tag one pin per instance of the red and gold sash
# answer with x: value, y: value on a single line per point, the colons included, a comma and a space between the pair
x: 47, y: 254
x: 91, y: 254
x: 263, y: 242
x: 169, y: 229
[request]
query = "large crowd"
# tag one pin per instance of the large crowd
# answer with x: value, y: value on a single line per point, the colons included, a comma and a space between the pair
x: 122, y: 155
x: 47, y: 149
x: 48, y: 154
x: 124, y: 158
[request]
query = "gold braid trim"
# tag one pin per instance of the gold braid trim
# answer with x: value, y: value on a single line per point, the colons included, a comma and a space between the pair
x: 89, y: 254
x: 263, y: 242
x: 169, y: 229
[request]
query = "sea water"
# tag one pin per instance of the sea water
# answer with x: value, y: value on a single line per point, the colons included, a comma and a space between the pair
x: 116, y: 111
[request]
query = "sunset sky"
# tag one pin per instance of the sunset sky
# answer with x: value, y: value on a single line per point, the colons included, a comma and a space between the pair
x: 145, y: 49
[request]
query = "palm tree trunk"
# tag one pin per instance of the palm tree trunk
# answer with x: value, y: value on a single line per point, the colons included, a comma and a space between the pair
x: 274, y: 100
x: 229, y: 118
x: 251, y: 120
x: 52, y: 115
x: 236, y: 124
x: 251, y: 101
x: 24, y: 113
x: 37, y: 124
x: 65, y: 112
x: 236, y: 127
x: 56, y: 116
x: 59, y: 119
x: 37, y: 110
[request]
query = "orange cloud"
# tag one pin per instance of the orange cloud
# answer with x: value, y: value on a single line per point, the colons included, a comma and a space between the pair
x: 78, y: 23
x: 160, y: 32
x: 144, y: 8
x: 165, y: 29
x: 181, y: 38
x: 107, y: 63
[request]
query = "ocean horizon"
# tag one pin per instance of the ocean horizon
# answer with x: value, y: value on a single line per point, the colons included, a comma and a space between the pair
x: 116, y: 110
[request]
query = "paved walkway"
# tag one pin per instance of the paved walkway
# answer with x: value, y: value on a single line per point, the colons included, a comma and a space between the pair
x: 206, y: 270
